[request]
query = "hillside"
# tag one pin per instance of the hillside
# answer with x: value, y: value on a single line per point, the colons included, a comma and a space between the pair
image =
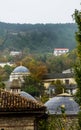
x: 38, y: 37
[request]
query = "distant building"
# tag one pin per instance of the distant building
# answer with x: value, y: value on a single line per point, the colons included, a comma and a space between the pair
x: 68, y: 71
x: 15, y: 53
x: 16, y: 79
x: 19, y: 72
x: 66, y: 78
x: 7, y: 63
x: 60, y: 51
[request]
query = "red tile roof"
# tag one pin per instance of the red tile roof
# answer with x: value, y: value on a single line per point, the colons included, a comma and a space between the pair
x: 15, y: 102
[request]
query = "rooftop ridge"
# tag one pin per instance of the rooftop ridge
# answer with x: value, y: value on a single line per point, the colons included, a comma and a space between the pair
x: 10, y: 101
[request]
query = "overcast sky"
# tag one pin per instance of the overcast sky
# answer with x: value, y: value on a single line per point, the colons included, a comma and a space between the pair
x: 38, y: 11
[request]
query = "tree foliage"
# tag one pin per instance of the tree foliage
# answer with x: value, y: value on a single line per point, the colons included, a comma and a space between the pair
x: 37, y: 68
x: 59, y: 87
x: 38, y: 38
x: 33, y: 86
x: 56, y: 64
x: 77, y: 17
x: 3, y: 74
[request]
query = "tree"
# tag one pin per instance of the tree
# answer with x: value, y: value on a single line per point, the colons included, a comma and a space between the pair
x: 8, y: 69
x: 59, y: 87
x: 77, y: 17
x: 37, y: 68
x: 3, y: 74
x: 61, y: 62
x: 2, y: 84
x: 33, y: 86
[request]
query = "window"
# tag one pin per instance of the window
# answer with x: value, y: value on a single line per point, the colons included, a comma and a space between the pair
x: 67, y: 81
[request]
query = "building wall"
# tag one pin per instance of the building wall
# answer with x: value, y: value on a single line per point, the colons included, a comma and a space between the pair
x: 67, y: 81
x: 49, y: 81
x: 17, y: 123
x: 60, y: 122
x: 18, y: 76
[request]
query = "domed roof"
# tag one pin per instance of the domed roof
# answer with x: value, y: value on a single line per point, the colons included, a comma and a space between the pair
x: 20, y: 69
x: 66, y: 101
x: 26, y: 95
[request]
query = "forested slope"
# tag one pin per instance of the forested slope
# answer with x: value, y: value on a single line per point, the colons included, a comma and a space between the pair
x: 38, y: 37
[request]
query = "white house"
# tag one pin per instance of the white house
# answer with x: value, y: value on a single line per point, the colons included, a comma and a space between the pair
x: 60, y: 51
x: 15, y: 53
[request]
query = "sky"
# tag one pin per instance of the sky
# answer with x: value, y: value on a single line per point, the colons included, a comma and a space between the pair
x: 38, y: 11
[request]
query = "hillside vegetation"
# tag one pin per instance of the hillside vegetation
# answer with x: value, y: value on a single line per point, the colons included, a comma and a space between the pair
x: 37, y: 38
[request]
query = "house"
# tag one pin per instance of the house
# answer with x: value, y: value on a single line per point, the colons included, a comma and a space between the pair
x: 60, y: 51
x: 66, y: 78
x: 7, y: 63
x: 15, y: 53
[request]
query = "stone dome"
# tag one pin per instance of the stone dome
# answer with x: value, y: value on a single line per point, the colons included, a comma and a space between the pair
x: 20, y: 69
x: 26, y: 95
x: 66, y: 101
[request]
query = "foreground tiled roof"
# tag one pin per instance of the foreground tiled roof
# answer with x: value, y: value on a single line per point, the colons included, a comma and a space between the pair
x: 15, y: 102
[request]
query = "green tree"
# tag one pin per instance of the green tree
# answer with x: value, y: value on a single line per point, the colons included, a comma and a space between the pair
x: 2, y: 84
x: 33, y: 86
x: 37, y: 68
x: 59, y: 87
x: 77, y: 17
x: 62, y: 62
x: 3, y: 74
x: 8, y: 69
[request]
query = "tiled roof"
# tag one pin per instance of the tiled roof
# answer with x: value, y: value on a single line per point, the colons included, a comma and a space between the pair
x: 58, y: 76
x: 15, y: 102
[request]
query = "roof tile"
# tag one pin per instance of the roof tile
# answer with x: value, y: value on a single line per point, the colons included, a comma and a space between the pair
x: 14, y: 102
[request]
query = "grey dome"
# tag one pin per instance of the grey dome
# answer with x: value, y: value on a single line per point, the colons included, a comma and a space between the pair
x: 26, y: 95
x: 55, y: 104
x: 20, y: 69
